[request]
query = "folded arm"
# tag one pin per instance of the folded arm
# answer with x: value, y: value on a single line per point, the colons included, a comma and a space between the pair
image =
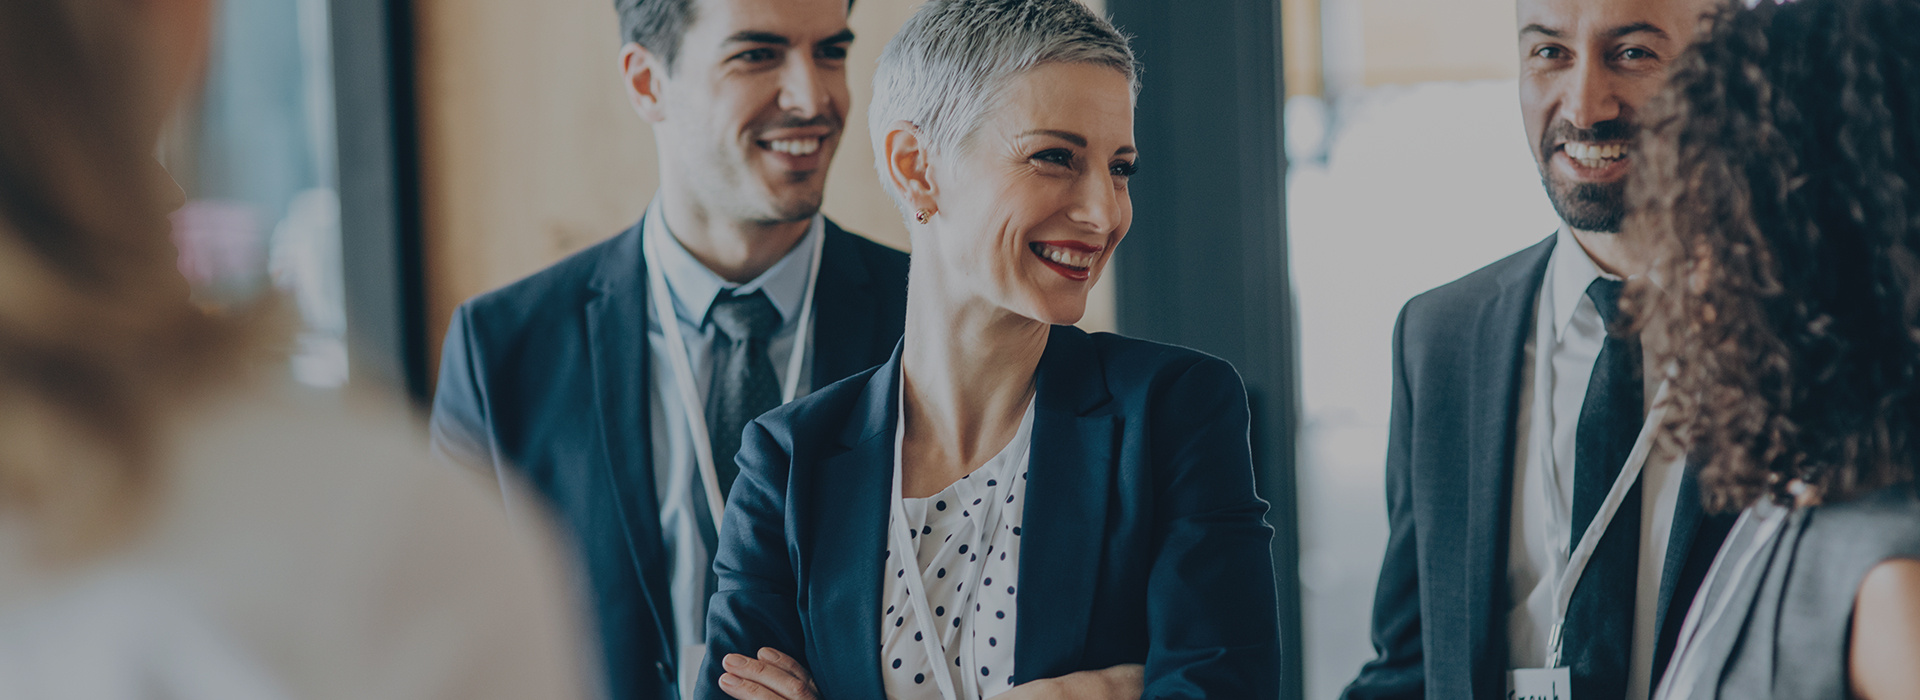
x: 755, y: 605
x: 1213, y: 610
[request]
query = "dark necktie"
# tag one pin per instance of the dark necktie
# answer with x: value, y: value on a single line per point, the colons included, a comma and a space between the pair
x: 1598, y: 632
x: 744, y: 385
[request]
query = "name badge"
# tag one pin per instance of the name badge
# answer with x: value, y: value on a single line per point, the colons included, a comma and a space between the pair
x: 1540, y: 684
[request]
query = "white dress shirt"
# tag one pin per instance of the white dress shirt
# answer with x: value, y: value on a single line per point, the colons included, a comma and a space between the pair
x: 675, y: 471
x: 967, y: 542
x: 1538, y: 545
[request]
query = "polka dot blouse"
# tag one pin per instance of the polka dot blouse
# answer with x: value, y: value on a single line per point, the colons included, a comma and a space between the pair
x: 967, y: 539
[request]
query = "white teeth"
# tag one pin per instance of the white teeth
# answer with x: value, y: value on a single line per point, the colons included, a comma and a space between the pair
x: 1067, y: 258
x: 1594, y: 156
x: 794, y: 147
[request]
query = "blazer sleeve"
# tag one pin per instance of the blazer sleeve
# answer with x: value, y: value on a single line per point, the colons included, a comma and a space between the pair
x: 461, y: 424
x: 1213, y: 611
x: 1398, y: 669
x: 755, y: 601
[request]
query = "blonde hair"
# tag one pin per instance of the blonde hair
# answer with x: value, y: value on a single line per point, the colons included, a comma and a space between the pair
x: 945, y: 68
x: 100, y: 345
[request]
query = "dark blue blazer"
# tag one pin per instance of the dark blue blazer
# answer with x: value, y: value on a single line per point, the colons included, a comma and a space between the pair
x: 546, y: 379
x: 1143, y: 543
x: 1440, y: 612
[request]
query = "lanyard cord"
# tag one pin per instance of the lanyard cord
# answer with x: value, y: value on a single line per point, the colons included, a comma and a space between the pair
x: 690, y: 402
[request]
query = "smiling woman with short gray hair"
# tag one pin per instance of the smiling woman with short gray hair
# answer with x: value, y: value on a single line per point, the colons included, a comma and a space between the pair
x: 1009, y: 507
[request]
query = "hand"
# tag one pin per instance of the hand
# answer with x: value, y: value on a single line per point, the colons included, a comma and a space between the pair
x: 1123, y: 682
x: 773, y: 676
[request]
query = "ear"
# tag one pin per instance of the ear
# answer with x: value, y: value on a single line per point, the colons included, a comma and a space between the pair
x: 905, y: 152
x: 645, y: 77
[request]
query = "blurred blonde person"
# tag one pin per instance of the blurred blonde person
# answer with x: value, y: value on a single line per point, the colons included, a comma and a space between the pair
x: 173, y: 521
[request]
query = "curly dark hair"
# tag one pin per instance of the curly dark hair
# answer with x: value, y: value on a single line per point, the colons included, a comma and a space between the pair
x: 1778, y: 179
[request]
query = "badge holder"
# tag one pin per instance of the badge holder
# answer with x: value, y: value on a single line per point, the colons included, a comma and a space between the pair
x: 1555, y: 682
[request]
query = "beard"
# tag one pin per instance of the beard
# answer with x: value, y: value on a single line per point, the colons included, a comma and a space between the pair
x: 1587, y: 206
x: 1598, y: 207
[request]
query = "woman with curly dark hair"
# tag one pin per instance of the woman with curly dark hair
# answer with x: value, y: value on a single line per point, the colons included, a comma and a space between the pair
x: 1780, y: 179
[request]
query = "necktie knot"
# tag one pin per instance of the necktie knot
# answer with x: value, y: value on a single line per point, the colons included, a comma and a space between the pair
x: 745, y: 318
x: 1605, y: 294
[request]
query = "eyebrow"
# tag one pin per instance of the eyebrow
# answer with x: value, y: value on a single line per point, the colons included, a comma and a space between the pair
x: 1614, y: 33
x: 756, y: 36
x: 845, y: 36
x: 1074, y: 139
x: 1635, y: 28
x: 1066, y: 136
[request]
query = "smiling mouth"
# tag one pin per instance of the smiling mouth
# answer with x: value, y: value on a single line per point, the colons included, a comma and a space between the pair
x: 793, y: 147
x: 1072, y: 260
x: 1595, y: 156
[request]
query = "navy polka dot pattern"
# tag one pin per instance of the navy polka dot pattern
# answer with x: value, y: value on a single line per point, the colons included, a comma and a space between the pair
x: 972, y: 640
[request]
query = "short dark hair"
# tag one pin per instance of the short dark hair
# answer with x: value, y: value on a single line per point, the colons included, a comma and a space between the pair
x: 1779, y: 174
x: 655, y: 24
x: 658, y: 25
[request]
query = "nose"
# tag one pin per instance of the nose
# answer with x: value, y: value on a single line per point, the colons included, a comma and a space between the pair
x: 1592, y: 95
x: 1102, y: 207
x: 803, y: 90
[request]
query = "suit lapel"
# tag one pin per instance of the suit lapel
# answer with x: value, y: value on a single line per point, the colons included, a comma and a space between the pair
x: 843, y: 311
x: 1695, y: 540
x: 617, y: 348
x: 1072, y: 463
x: 1493, y: 406
x: 849, y: 546
x: 1686, y: 521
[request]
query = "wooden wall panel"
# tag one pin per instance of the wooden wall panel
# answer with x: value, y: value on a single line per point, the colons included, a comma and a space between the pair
x: 529, y: 150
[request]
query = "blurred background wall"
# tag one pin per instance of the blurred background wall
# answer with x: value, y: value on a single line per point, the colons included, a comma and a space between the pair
x: 1408, y: 168
x: 380, y: 161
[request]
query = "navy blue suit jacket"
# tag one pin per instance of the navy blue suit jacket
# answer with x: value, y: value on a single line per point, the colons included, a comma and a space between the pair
x: 1440, y: 612
x: 547, y: 379
x: 1143, y: 543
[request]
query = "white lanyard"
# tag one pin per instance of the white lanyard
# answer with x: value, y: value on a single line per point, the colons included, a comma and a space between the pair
x: 916, y: 586
x: 692, y: 406
x: 1558, y: 519
x: 1686, y: 661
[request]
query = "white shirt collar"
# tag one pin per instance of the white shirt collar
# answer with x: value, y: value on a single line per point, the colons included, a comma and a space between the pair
x: 695, y: 287
x: 1572, y: 271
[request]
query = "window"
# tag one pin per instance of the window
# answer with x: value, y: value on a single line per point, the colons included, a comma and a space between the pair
x: 257, y: 158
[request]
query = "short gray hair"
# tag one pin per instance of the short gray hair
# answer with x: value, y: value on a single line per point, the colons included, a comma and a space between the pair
x: 949, y: 62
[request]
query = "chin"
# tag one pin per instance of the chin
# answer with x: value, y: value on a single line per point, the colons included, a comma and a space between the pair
x: 797, y: 201
x: 786, y: 207
x: 1057, y: 312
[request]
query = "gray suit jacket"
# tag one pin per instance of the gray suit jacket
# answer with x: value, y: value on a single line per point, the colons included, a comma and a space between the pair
x: 1786, y: 629
x: 1439, y: 614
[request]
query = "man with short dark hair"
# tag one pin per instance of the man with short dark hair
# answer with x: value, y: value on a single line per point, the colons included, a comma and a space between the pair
x: 1521, y: 427
x: 616, y: 383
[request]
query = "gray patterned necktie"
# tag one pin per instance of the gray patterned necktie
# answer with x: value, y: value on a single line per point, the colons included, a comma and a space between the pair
x: 744, y: 384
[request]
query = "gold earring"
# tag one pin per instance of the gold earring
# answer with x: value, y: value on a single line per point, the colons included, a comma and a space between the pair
x: 921, y: 215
